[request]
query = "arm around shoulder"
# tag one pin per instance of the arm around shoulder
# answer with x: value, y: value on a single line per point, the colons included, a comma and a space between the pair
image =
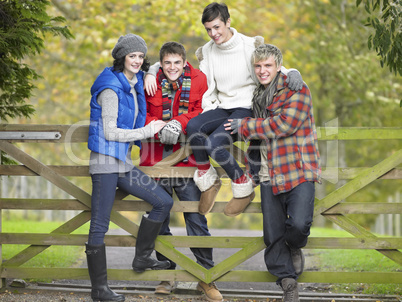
x: 150, y: 84
x: 293, y: 78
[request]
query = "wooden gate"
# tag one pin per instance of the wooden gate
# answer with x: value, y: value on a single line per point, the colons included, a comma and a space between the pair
x: 331, y: 207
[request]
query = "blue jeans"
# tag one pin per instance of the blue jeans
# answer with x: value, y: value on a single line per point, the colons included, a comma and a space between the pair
x: 208, y: 137
x: 287, y: 219
x: 196, y: 224
x: 135, y: 183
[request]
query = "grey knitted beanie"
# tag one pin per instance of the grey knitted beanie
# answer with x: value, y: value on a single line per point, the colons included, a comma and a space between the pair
x: 128, y: 44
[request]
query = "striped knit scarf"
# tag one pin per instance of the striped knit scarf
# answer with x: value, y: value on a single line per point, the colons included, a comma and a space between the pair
x: 263, y: 97
x: 184, y: 81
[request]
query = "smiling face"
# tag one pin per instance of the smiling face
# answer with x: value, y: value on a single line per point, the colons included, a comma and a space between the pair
x: 173, y: 66
x: 218, y: 30
x: 266, y: 70
x: 132, y: 64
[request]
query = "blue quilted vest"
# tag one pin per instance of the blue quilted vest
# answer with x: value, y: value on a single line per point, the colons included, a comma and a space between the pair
x: 125, y: 119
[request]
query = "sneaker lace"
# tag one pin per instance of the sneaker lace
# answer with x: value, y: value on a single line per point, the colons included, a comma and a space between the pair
x: 289, y: 292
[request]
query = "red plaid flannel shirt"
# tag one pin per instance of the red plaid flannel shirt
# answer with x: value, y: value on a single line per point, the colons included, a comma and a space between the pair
x: 291, y: 138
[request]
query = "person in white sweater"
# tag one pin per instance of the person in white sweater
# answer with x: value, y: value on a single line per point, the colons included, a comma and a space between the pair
x: 226, y: 61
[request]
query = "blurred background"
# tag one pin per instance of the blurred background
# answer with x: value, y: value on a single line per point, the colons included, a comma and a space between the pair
x: 325, y: 40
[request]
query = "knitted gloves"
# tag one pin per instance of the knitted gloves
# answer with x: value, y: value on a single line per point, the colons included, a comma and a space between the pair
x: 170, y: 133
x: 235, y: 124
x: 294, y: 80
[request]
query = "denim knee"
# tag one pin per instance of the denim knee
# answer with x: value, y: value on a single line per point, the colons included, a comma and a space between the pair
x: 297, y: 235
x: 195, y: 136
x: 216, y: 145
x: 165, y: 206
x: 161, y: 205
x: 192, y: 127
x: 168, y: 204
x: 219, y: 154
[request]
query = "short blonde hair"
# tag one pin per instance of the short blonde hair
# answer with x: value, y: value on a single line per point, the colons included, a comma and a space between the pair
x: 265, y: 51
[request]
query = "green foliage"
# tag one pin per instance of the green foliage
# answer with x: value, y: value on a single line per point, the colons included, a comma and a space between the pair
x: 325, y: 40
x: 345, y: 83
x: 23, y: 25
x: 348, y: 86
x: 385, y: 17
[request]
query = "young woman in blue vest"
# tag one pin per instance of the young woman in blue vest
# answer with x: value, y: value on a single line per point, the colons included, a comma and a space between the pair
x: 118, y: 112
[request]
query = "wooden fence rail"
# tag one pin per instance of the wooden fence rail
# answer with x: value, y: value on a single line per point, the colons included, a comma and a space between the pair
x: 332, y: 207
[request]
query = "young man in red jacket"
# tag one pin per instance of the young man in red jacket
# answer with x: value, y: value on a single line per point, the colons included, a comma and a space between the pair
x: 177, y: 100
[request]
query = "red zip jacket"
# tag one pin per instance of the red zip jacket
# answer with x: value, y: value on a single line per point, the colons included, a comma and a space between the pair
x: 151, y: 153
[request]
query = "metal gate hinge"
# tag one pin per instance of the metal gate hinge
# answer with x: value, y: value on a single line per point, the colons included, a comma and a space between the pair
x: 29, y: 135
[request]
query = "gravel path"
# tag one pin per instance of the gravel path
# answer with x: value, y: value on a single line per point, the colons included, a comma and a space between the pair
x: 56, y: 295
x: 47, y: 296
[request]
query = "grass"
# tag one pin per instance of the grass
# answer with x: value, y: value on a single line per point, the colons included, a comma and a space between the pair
x: 328, y: 260
x: 54, y: 256
x: 342, y: 260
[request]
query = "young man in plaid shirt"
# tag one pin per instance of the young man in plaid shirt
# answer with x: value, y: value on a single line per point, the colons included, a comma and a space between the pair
x: 283, y: 158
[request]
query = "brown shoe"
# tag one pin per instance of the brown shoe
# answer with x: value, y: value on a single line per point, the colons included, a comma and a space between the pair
x: 243, y: 194
x: 237, y: 206
x: 210, y: 291
x: 165, y: 288
x: 208, y: 197
x: 209, y: 185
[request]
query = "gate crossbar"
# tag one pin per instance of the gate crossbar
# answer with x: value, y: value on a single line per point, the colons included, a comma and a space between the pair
x: 330, y: 207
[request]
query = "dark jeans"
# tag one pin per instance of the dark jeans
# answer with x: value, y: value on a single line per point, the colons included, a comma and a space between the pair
x: 135, y: 183
x: 287, y: 219
x: 208, y: 137
x: 196, y: 224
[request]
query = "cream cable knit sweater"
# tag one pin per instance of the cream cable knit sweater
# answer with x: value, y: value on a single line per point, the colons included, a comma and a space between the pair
x: 230, y: 74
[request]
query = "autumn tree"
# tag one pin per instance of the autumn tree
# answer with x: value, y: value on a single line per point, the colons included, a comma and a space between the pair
x: 23, y: 24
x: 385, y: 17
x: 349, y: 87
x: 325, y: 40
